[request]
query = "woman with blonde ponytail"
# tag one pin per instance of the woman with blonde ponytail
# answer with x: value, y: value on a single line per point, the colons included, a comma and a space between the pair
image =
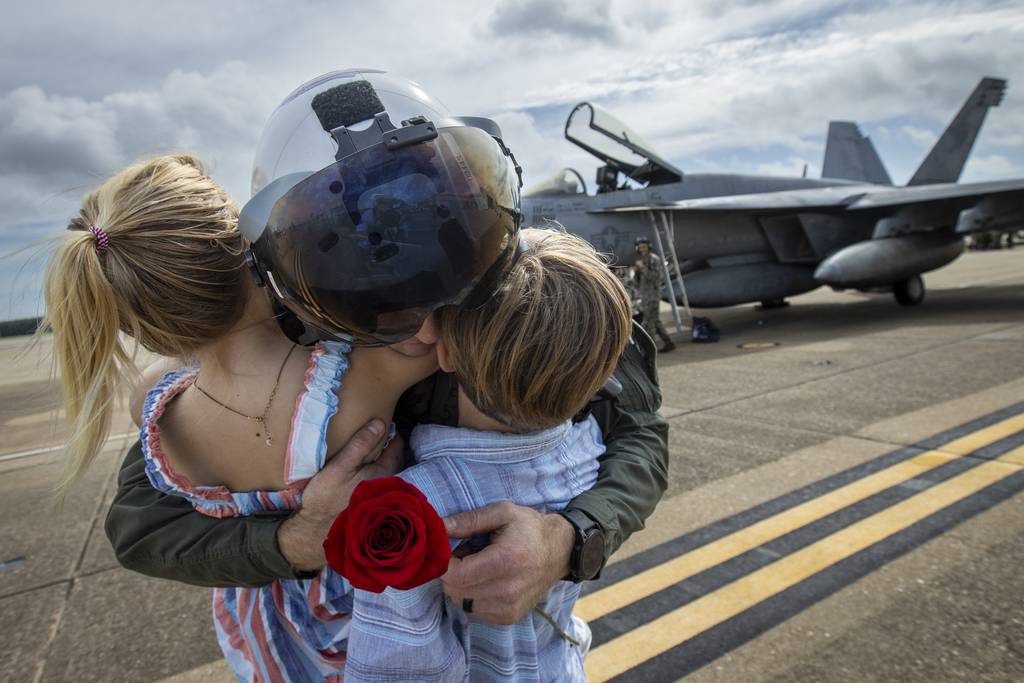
x: 244, y: 418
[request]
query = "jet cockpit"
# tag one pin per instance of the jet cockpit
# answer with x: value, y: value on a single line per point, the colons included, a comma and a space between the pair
x: 622, y: 150
x: 619, y: 148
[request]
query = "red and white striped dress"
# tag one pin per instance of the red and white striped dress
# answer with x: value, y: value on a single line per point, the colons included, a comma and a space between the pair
x: 290, y: 630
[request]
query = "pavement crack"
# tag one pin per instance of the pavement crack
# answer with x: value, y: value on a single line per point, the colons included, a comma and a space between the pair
x: 58, y: 617
x: 97, y: 515
x: 36, y: 587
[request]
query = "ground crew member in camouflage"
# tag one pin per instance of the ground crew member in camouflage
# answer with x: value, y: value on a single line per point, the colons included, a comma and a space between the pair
x: 650, y: 278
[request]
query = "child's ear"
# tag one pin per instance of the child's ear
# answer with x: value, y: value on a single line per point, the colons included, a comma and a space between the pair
x: 444, y: 361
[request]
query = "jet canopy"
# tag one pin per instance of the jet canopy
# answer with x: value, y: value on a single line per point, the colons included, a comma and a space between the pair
x: 623, y: 151
x: 565, y: 182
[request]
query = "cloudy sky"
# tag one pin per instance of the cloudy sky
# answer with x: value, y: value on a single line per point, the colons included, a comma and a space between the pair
x: 714, y: 85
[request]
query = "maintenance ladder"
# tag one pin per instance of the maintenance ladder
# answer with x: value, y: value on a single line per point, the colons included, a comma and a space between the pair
x: 664, y: 233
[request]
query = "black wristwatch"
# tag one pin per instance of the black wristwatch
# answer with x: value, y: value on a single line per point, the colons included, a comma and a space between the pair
x: 587, y: 557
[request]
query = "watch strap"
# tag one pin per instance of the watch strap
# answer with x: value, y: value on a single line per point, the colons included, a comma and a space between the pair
x: 584, y: 528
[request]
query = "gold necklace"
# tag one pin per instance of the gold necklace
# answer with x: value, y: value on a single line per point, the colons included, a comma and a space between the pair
x: 259, y: 419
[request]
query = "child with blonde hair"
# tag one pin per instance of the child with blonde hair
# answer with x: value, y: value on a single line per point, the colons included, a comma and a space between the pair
x: 527, y: 361
x: 244, y: 418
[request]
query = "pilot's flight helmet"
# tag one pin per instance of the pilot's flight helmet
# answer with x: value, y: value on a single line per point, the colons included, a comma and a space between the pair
x: 641, y: 240
x: 372, y: 206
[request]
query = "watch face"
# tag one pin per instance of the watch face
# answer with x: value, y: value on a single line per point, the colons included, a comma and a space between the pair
x: 591, y: 555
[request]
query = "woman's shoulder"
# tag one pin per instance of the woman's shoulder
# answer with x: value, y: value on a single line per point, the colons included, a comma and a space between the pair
x: 148, y: 378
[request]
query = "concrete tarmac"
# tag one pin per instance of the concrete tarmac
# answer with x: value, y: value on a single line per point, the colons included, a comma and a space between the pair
x: 843, y: 506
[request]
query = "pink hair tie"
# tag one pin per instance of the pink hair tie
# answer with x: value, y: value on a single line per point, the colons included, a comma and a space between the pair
x: 102, y: 238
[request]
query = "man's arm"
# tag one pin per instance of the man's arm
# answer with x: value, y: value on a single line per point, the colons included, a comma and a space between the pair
x: 634, y: 468
x: 162, y: 535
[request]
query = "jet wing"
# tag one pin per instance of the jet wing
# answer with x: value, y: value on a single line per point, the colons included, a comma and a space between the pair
x: 920, y: 194
x: 835, y: 199
x: 839, y: 197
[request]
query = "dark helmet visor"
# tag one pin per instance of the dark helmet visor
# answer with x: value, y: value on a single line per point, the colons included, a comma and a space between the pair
x: 368, y: 247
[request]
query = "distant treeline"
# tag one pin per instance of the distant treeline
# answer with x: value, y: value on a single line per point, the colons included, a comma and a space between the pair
x: 18, y: 328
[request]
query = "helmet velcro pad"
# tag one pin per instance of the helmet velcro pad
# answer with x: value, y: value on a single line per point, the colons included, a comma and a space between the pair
x: 346, y: 104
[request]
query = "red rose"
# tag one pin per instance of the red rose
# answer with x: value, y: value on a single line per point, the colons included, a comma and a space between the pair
x: 389, y: 535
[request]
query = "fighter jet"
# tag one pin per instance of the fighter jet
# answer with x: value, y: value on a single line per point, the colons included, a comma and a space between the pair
x: 745, y: 238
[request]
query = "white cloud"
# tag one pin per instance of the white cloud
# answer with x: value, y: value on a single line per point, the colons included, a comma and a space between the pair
x: 921, y: 137
x: 991, y: 167
x: 51, y: 144
x: 555, y: 18
x: 794, y: 166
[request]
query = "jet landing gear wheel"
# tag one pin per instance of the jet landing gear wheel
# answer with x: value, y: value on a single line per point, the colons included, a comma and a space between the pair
x: 770, y: 304
x: 909, y: 292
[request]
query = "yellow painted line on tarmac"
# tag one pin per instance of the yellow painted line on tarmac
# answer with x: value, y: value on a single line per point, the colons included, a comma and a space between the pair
x: 657, y: 578
x: 658, y: 636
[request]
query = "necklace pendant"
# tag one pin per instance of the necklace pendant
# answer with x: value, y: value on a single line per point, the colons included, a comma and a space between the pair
x: 261, y: 420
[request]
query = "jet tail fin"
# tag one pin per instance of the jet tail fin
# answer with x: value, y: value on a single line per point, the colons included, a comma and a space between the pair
x: 946, y: 159
x: 851, y: 156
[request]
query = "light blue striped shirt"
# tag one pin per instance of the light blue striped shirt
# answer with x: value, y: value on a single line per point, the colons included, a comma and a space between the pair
x: 419, y: 635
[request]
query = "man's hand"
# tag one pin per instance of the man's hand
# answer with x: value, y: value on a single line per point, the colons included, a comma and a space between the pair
x: 528, y: 553
x: 302, y: 535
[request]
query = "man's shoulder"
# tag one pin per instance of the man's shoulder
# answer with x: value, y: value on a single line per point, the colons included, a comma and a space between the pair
x: 430, y: 401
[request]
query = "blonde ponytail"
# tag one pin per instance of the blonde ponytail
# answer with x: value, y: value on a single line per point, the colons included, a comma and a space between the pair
x: 82, y: 311
x: 156, y: 255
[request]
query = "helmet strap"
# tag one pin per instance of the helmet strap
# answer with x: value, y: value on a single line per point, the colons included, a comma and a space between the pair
x: 254, y: 268
x: 297, y: 330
